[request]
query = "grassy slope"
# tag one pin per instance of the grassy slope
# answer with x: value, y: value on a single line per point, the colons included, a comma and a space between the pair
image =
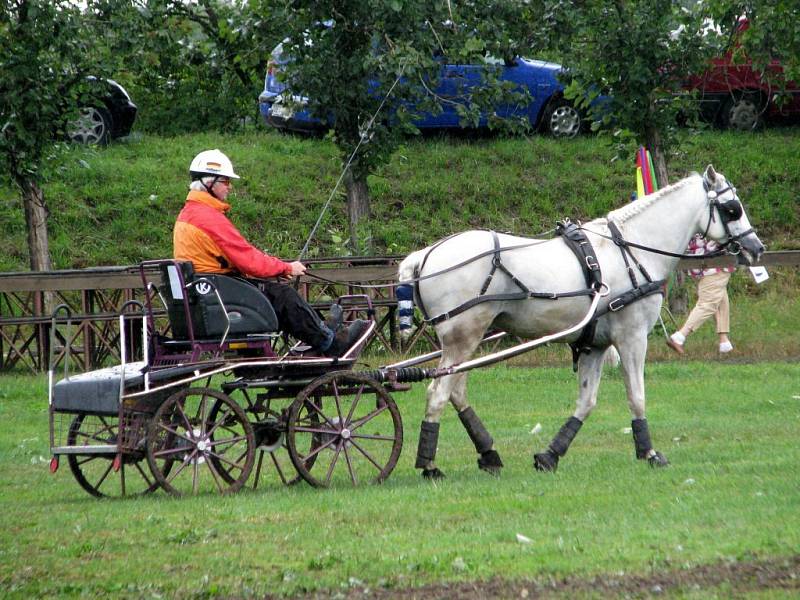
x: 731, y: 494
x: 116, y: 206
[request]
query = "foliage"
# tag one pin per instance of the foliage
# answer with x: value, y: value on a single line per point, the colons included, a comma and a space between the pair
x: 773, y: 31
x: 48, y: 50
x: 710, y: 419
x: 638, y: 52
x: 193, y: 66
x: 361, y: 66
x: 117, y: 205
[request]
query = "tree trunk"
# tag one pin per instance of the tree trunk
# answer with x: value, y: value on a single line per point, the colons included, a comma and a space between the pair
x: 653, y: 143
x: 357, y: 209
x: 678, y: 296
x: 36, y: 221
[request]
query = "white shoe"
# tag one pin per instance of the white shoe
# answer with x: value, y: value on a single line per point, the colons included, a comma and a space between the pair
x: 725, y: 347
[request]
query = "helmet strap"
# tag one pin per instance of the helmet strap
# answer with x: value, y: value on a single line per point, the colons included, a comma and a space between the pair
x: 210, y: 189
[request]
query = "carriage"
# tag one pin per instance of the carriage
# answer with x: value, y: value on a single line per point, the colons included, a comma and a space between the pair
x: 212, y: 404
x: 213, y: 400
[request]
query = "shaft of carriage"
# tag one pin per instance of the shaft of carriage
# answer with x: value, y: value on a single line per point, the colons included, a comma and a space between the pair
x: 406, y: 371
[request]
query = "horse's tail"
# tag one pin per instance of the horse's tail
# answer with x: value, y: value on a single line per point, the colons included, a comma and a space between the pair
x: 407, y: 272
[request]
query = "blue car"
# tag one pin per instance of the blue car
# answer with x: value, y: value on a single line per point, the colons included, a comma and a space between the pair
x: 548, y: 110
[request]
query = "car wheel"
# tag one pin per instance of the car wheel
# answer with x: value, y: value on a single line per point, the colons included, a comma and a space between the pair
x: 743, y: 112
x: 562, y: 119
x: 93, y: 126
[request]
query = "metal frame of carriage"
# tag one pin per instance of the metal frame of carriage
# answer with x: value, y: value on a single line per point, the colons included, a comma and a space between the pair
x: 213, y: 401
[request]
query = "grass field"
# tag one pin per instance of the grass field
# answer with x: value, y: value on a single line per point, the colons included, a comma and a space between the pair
x: 731, y: 495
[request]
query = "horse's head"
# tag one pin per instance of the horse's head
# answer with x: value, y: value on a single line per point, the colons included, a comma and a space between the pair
x: 727, y: 222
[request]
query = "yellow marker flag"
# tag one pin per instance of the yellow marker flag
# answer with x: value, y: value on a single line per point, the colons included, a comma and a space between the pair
x: 639, y: 183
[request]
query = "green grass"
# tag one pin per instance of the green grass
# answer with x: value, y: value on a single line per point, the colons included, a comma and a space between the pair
x: 116, y: 206
x: 731, y: 494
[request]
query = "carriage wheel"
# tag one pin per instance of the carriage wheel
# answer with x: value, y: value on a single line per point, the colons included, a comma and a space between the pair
x: 186, y: 443
x: 354, y: 437
x: 99, y: 474
x: 269, y: 429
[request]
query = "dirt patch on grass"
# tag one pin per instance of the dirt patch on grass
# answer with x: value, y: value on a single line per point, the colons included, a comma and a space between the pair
x: 735, y: 578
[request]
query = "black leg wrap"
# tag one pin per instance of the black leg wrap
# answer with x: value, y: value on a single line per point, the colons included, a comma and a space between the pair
x: 565, y: 435
x: 490, y: 462
x: 641, y: 438
x: 545, y: 461
x: 477, y: 432
x: 432, y: 474
x: 428, y: 440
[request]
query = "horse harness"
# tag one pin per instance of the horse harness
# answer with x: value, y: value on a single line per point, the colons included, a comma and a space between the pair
x: 577, y: 241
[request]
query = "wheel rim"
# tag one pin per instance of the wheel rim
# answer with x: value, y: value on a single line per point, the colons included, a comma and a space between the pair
x: 565, y: 121
x: 89, y: 128
x: 743, y: 114
x: 354, y: 437
x: 95, y: 472
x: 187, y: 444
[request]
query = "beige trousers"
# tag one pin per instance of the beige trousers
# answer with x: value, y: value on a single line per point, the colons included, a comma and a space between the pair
x: 712, y: 300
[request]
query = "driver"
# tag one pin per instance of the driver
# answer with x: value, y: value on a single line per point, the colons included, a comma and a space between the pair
x: 207, y: 238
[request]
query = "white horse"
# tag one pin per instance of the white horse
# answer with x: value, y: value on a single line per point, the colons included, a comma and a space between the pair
x: 636, y: 248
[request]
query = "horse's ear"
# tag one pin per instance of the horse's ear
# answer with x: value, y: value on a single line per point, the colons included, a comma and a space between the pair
x: 710, y: 176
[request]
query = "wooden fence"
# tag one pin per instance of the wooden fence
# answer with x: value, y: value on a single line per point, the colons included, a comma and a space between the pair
x: 94, y: 297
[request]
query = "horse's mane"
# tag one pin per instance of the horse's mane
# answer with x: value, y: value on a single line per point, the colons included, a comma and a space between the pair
x: 631, y: 209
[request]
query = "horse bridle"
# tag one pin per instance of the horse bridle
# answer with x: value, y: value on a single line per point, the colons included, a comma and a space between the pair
x: 728, y: 211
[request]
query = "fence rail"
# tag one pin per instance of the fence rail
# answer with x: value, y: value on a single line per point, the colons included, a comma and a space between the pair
x: 95, y: 295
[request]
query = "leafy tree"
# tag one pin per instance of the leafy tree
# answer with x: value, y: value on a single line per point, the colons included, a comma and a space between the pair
x: 638, y: 52
x: 349, y: 56
x: 47, y: 51
x: 194, y: 66
x: 773, y: 32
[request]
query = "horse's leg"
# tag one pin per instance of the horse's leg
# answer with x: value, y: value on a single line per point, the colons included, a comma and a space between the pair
x: 458, y: 344
x: 590, y: 368
x: 429, y: 434
x: 632, y: 357
x: 489, y: 459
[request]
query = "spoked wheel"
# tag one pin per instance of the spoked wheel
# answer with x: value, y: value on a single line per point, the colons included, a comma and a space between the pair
x: 354, y: 437
x: 271, y: 453
x: 192, y: 448
x: 106, y: 474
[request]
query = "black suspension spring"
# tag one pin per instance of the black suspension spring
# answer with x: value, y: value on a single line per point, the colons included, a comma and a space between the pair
x: 404, y: 375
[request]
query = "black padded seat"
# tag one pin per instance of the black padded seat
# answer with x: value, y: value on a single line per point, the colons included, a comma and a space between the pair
x: 97, y: 392
x: 249, y: 311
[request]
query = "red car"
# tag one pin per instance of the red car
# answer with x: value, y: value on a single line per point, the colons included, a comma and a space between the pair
x: 736, y: 96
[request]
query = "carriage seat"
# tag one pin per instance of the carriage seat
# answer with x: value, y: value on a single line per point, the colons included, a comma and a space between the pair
x: 98, y: 392
x: 249, y: 311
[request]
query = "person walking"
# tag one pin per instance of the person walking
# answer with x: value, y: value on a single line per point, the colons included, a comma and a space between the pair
x: 712, y: 299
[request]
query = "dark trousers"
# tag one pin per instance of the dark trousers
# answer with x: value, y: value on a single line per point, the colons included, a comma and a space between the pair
x: 294, y: 314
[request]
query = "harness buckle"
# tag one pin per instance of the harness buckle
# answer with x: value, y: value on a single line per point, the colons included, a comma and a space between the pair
x: 591, y: 262
x: 615, y: 305
x: 496, y: 261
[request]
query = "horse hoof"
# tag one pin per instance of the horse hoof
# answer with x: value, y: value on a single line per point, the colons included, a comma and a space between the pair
x: 490, y: 462
x: 432, y: 474
x: 658, y: 460
x: 545, y: 462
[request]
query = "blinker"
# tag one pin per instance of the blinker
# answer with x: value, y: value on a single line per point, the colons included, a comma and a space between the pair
x: 732, y: 210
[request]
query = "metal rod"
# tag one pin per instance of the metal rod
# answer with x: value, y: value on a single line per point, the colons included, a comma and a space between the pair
x: 417, y: 360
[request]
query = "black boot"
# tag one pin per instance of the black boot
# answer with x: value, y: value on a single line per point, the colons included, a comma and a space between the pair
x: 335, y: 316
x: 345, y: 338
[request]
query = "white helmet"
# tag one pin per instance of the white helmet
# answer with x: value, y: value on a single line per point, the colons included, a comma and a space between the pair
x: 212, y: 162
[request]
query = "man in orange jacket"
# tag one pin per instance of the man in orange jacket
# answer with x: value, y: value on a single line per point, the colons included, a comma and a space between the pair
x: 205, y: 236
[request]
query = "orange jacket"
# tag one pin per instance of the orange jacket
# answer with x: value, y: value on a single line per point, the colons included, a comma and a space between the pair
x: 205, y: 236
